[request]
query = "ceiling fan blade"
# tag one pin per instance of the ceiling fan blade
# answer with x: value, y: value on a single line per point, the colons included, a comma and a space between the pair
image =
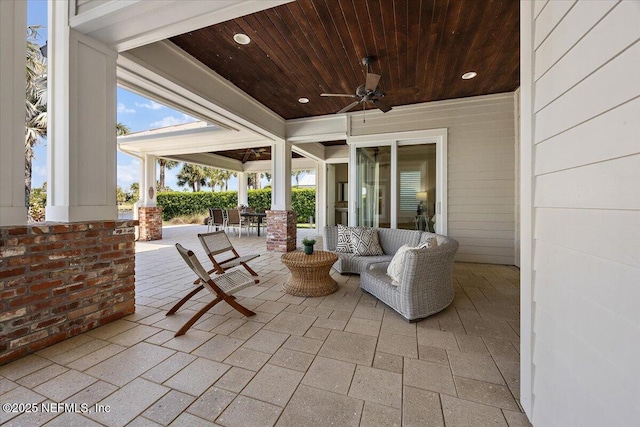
x: 348, y: 107
x: 372, y: 81
x: 381, y: 105
x: 339, y: 94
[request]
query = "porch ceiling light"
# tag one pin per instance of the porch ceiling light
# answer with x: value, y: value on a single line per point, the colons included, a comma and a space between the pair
x: 469, y: 75
x: 241, y: 38
x: 303, y: 100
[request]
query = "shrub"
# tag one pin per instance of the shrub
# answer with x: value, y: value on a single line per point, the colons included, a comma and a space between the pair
x: 37, y: 205
x: 176, y: 204
x: 303, y: 201
x: 184, y: 204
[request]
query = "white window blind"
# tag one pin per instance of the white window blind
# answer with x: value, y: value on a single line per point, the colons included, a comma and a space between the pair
x: 409, y: 186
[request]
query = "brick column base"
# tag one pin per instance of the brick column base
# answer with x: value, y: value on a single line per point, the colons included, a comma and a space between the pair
x: 281, y: 231
x: 60, y: 280
x: 150, y: 219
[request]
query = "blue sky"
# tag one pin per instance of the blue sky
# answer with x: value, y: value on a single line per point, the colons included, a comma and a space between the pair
x: 135, y: 111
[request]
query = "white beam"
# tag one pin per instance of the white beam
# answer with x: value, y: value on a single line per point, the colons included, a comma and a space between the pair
x: 243, y: 184
x: 321, y: 196
x: 81, y: 136
x: 13, y: 28
x: 148, y: 181
x: 314, y: 150
x: 181, y: 79
x: 125, y: 24
x: 318, y: 129
x: 281, y: 176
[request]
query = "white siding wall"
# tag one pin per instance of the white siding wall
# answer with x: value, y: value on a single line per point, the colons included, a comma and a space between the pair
x: 585, y: 161
x: 481, y: 167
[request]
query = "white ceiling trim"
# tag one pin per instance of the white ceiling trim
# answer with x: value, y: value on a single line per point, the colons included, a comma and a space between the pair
x: 167, y: 71
x: 127, y: 24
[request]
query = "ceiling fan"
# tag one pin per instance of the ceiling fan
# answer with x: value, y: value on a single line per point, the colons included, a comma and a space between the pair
x: 367, y: 92
x: 255, y: 151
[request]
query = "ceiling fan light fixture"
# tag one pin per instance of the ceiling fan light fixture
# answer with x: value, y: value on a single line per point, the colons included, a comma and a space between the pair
x: 303, y: 100
x: 241, y: 38
x: 469, y: 75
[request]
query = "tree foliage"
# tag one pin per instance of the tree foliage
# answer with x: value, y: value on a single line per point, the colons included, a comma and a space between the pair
x: 165, y: 165
x: 195, y: 176
x: 36, y: 103
x: 174, y: 203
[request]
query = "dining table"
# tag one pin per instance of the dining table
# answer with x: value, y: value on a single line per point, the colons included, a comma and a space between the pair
x: 258, y: 215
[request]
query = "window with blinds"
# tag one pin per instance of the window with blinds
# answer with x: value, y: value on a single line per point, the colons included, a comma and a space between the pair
x: 409, y: 186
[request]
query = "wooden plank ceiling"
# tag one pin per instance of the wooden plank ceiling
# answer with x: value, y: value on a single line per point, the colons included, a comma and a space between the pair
x: 251, y: 154
x: 308, y: 47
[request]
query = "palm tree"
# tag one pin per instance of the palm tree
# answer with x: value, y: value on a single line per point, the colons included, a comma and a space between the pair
x: 36, y: 103
x: 192, y: 175
x: 226, y: 176
x: 297, y: 174
x: 215, y: 178
x: 165, y: 164
x: 122, y: 129
x: 266, y: 175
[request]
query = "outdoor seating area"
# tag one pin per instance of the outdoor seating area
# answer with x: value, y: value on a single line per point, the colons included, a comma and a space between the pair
x: 345, y: 358
x: 236, y: 220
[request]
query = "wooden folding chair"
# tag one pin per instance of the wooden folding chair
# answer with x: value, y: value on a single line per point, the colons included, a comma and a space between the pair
x: 222, y: 287
x: 217, y: 243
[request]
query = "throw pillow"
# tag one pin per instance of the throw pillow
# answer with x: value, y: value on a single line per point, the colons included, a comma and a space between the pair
x: 429, y: 242
x: 364, y: 241
x: 396, y: 266
x: 344, y: 239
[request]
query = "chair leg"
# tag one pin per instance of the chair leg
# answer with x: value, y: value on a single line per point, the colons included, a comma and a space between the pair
x: 250, y: 270
x: 197, y: 316
x: 185, y: 299
x: 229, y: 299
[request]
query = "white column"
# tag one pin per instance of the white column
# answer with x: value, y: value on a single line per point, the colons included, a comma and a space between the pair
x: 147, y: 196
x: 321, y: 196
x: 281, y: 176
x: 81, y: 137
x: 331, y: 195
x: 243, y: 184
x: 13, y: 33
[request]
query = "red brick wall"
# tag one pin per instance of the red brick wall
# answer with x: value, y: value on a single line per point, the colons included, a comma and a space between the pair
x: 59, y: 280
x: 150, y: 219
x: 281, y: 231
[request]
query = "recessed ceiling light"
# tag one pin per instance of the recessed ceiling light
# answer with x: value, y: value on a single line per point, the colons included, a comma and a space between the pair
x: 469, y: 75
x: 303, y: 100
x: 241, y: 38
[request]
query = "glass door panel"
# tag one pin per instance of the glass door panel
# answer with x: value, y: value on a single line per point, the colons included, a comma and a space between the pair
x: 373, y: 165
x: 416, y: 187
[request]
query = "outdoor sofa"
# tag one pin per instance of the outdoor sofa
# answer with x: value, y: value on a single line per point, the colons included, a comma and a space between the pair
x: 425, y: 285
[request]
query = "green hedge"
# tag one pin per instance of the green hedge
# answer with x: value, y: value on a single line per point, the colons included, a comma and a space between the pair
x: 174, y: 203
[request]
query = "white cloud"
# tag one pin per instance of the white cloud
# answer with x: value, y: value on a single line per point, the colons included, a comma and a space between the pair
x: 151, y: 105
x: 171, y: 121
x: 123, y: 108
x: 128, y: 174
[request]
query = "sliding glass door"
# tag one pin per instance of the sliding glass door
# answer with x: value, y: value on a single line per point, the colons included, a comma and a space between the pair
x: 399, y: 182
x: 416, y: 205
x: 373, y: 183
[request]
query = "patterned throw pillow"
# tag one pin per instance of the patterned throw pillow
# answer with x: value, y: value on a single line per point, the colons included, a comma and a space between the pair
x: 344, y: 239
x: 429, y: 242
x: 364, y: 241
x: 396, y: 266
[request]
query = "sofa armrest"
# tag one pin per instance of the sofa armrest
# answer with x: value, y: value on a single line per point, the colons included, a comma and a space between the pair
x: 380, y: 266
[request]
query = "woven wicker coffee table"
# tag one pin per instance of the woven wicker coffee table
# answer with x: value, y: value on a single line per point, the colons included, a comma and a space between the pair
x: 310, y: 273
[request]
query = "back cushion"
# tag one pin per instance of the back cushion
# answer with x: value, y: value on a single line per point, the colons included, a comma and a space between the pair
x: 392, y: 239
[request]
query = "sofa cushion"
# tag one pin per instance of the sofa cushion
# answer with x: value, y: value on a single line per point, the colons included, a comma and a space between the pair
x: 364, y: 241
x: 394, y: 270
x: 391, y: 239
x: 344, y: 239
x: 428, y: 242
